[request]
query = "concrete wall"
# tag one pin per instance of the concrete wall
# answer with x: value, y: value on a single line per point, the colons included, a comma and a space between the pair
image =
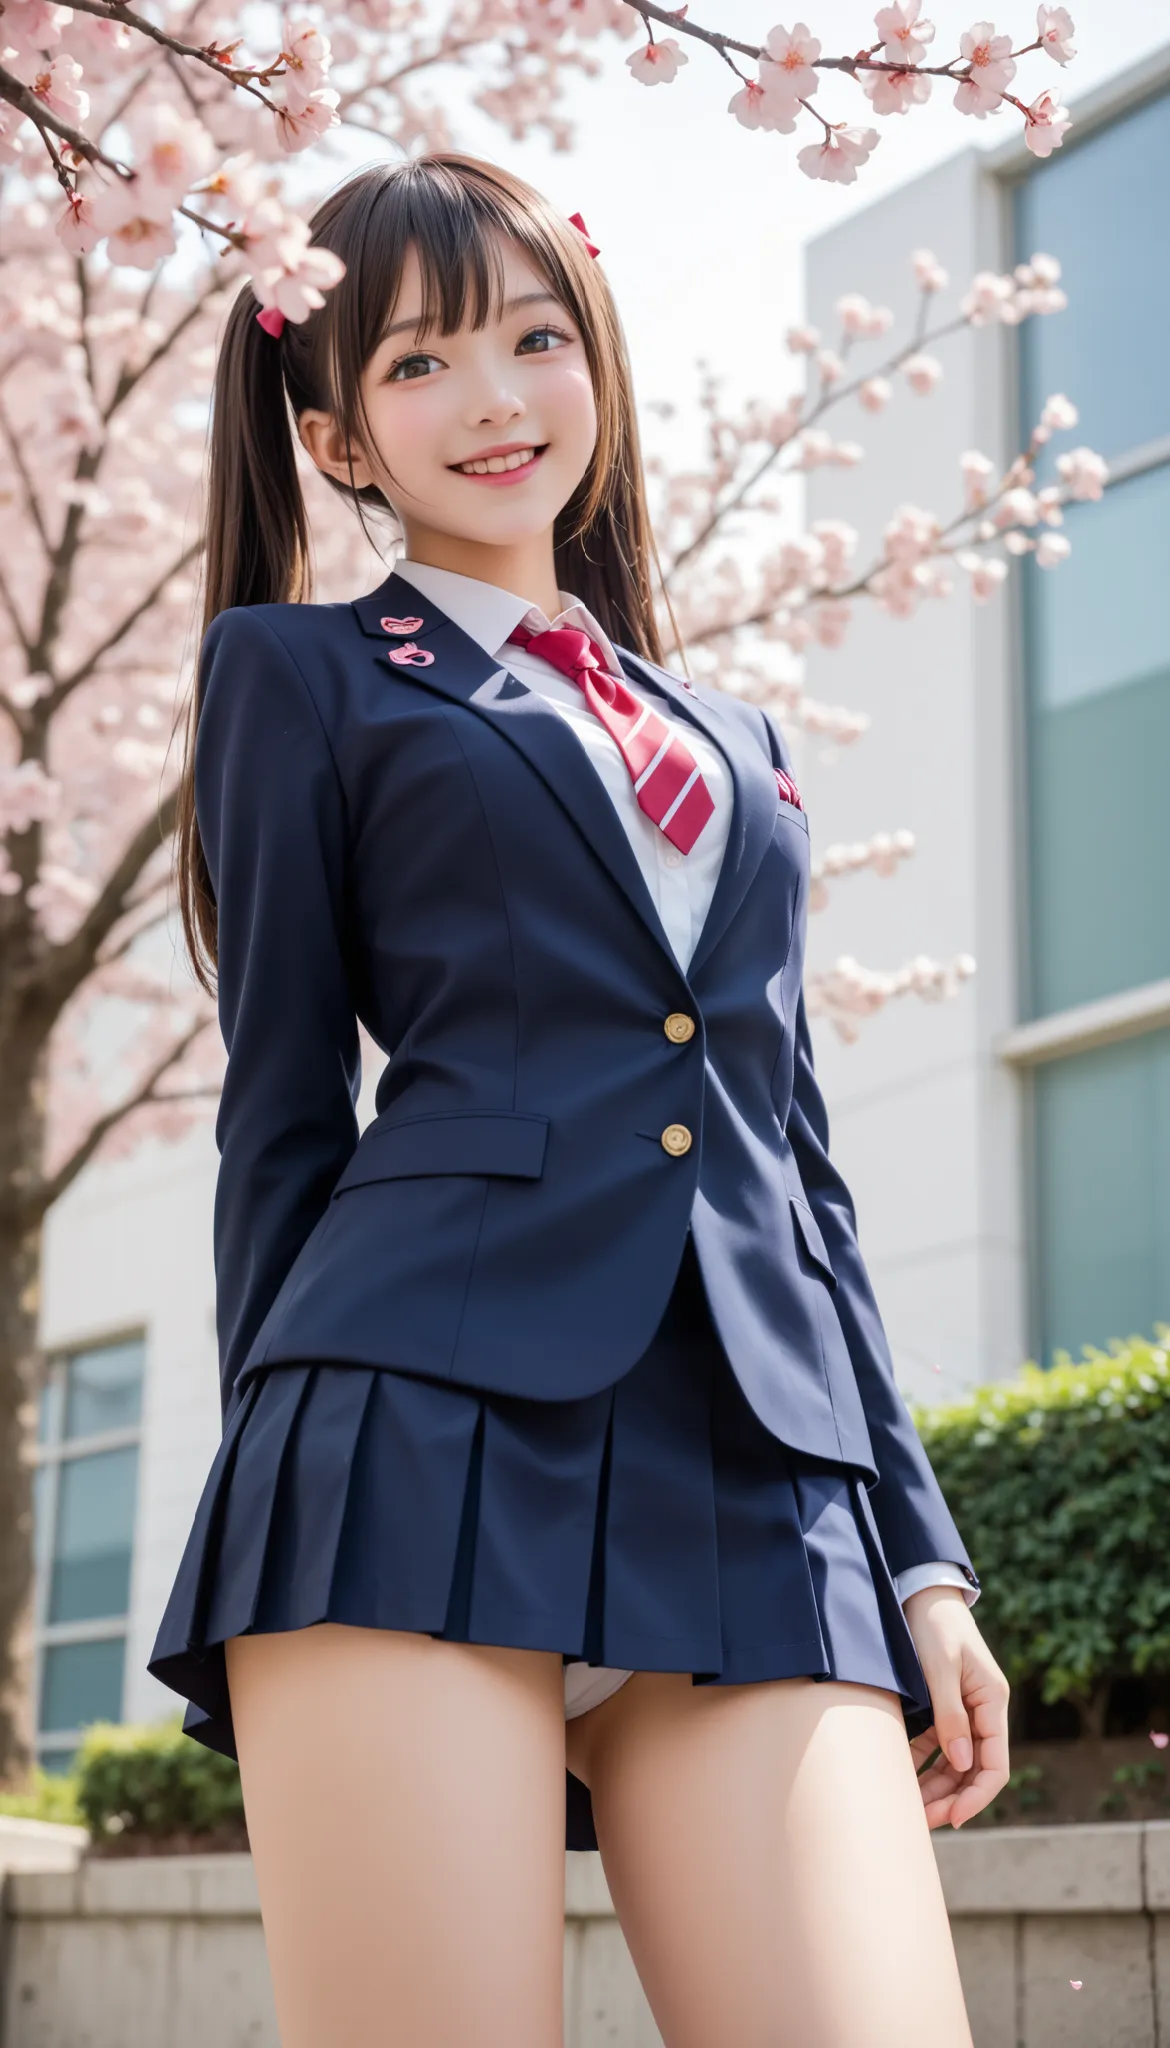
x: 168, y: 1952
x: 925, y: 1120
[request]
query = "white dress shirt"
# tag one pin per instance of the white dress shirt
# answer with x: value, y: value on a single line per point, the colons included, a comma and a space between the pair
x: 681, y: 885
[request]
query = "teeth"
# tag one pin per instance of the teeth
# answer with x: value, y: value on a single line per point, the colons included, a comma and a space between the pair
x: 497, y: 462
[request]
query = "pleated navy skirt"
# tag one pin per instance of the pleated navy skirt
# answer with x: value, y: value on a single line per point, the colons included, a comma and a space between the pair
x: 654, y: 1526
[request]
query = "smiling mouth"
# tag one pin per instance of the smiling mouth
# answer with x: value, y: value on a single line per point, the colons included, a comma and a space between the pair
x: 501, y: 465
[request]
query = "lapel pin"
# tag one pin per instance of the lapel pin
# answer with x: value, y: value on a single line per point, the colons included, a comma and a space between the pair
x: 410, y: 656
x: 400, y: 625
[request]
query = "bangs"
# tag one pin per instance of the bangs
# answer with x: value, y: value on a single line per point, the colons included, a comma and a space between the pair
x: 453, y: 225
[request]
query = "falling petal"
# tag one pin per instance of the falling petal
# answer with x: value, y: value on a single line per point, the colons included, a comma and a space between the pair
x: 1076, y: 1982
x: 1159, y: 1741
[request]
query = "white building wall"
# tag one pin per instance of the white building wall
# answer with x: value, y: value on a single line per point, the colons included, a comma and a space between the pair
x: 925, y: 1119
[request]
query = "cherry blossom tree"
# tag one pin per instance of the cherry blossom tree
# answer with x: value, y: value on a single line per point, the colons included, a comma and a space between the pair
x: 144, y: 174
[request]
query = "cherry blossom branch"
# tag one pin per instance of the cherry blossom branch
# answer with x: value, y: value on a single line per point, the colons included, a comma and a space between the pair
x: 145, y: 604
x: 27, y: 1206
x: 847, y: 993
x: 892, y: 73
x: 62, y: 969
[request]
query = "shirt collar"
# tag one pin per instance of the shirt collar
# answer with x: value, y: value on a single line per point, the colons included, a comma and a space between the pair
x: 488, y: 614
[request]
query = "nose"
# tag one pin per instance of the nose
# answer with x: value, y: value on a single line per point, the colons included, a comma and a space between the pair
x: 494, y: 394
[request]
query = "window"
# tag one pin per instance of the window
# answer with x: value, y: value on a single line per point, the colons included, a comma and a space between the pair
x: 1096, y: 656
x: 86, y: 1491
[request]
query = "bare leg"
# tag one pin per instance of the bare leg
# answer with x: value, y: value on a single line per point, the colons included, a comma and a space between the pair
x: 770, y: 1862
x: 405, y: 1801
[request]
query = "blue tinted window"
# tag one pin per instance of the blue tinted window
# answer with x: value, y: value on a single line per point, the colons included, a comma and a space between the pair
x: 95, y: 1536
x: 81, y: 1682
x: 1103, y: 1189
x: 104, y: 1389
x: 1098, y: 682
x: 1101, y: 208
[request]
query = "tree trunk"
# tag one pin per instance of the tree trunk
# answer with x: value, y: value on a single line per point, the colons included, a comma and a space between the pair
x: 23, y: 1127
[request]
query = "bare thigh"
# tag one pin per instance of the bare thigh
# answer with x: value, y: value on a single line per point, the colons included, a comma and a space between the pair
x: 769, y: 1860
x: 405, y: 1800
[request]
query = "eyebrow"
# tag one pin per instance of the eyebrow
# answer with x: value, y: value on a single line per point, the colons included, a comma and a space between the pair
x: 412, y: 325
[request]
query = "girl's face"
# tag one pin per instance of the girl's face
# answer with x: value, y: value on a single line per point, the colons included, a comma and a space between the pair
x: 434, y: 402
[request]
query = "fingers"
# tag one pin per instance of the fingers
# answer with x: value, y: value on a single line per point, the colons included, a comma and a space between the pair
x: 970, y: 1697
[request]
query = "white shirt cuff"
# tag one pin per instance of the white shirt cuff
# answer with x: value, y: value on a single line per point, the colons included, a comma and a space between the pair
x: 921, y: 1575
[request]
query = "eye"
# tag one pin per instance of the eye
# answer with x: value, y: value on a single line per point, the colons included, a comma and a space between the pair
x: 546, y: 330
x: 405, y: 363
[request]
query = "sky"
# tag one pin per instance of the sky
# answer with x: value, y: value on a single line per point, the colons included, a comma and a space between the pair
x: 702, y: 223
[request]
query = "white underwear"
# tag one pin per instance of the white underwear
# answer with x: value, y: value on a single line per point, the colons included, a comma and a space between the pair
x: 586, y: 1685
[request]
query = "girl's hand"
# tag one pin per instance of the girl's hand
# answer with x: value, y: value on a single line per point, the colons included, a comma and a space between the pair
x: 969, y: 1694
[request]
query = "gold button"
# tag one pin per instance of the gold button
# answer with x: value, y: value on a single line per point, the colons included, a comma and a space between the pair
x: 679, y: 1027
x: 676, y: 1139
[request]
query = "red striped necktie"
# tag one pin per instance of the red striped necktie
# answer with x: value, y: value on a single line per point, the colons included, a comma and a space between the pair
x: 665, y: 774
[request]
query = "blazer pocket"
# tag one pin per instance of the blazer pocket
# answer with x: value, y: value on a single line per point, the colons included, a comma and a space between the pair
x: 809, y: 1232
x: 503, y: 1142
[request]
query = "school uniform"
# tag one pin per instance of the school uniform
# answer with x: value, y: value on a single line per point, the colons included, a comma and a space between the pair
x: 573, y: 1348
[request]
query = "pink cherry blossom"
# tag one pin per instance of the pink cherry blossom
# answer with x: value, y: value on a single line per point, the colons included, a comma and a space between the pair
x: 31, y: 28
x: 287, y: 272
x: 1083, y: 473
x: 853, y: 310
x: 831, y: 621
x: 929, y: 274
x: 657, y: 63
x: 1052, y: 548
x: 988, y: 297
x: 300, y: 128
x: 895, y: 92
x: 838, y: 541
x: 28, y: 794
x: 1049, y: 501
x: 794, y: 52
x: 912, y: 534
x: 56, y: 87
x: 1046, y: 124
x: 767, y: 101
x: 1017, y: 507
x: 922, y: 373
x: 881, y: 319
x: 987, y: 572
x: 839, y: 156
x: 830, y: 365
x: 1158, y: 1739
x: 992, y: 68
x: 748, y: 105
x: 11, y: 144
x: 1058, y: 416
x: 978, y: 472
x: 802, y: 341
x: 306, y: 56
x: 875, y: 394
x: 1055, y: 28
x: 138, y: 225
x: 903, y: 34
x: 171, y: 151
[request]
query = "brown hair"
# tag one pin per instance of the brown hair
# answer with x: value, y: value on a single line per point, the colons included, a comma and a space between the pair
x: 447, y: 204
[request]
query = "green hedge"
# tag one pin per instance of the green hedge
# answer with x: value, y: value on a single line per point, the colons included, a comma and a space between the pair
x: 154, y: 1780
x: 1060, y: 1484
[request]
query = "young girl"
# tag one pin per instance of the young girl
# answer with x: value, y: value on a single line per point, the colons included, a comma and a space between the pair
x: 565, y: 1496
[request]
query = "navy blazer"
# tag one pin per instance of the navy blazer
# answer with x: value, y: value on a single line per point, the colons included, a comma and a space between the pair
x: 430, y: 849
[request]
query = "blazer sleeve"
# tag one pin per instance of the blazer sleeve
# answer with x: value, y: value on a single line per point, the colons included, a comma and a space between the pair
x: 271, y: 816
x: 913, y: 1520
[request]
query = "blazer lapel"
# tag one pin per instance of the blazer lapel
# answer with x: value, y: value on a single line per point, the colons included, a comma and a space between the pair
x: 755, y: 804
x: 462, y: 671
